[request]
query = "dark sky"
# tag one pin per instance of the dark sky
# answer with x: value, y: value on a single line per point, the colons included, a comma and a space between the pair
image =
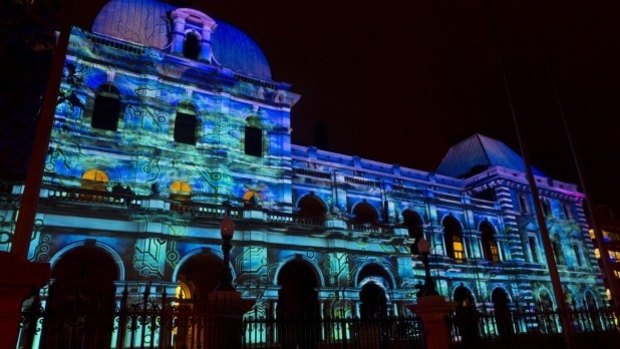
x: 400, y: 81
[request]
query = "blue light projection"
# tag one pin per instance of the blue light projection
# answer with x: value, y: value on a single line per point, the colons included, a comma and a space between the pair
x: 161, y: 201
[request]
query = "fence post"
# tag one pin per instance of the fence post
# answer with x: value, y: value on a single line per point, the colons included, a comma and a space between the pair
x: 434, y: 311
x: 17, y: 281
x: 224, y: 319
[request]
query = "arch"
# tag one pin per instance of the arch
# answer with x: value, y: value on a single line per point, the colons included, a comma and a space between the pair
x: 298, y: 296
x: 253, y: 137
x: 415, y: 225
x: 364, y: 213
x: 311, y: 206
x: 109, y: 250
x: 95, y: 179
x: 453, y: 238
x: 545, y: 302
x: 107, y: 107
x: 589, y: 300
x: 490, y: 249
x: 185, y: 124
x: 373, y: 300
x: 83, y: 290
x: 191, y: 45
x: 200, y: 273
x: 501, y: 299
x: 217, y: 254
x: 374, y: 269
x: 463, y: 296
x: 315, y: 268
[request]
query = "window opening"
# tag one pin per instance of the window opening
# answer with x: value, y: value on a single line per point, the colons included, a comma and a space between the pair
x: 191, y: 46
x: 253, y: 142
x: 185, y: 127
x: 107, y: 108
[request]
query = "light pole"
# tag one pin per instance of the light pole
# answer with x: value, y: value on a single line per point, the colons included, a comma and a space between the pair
x: 227, y: 230
x: 429, y: 283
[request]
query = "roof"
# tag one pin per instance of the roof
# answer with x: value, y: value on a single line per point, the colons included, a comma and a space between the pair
x: 146, y: 22
x: 477, y: 153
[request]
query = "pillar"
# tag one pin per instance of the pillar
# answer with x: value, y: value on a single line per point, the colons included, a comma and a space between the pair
x: 434, y: 310
x: 18, y: 280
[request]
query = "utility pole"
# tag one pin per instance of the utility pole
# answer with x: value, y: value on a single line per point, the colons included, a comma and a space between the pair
x: 540, y: 217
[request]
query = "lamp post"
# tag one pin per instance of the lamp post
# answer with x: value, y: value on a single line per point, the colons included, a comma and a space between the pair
x: 227, y: 230
x: 429, y: 284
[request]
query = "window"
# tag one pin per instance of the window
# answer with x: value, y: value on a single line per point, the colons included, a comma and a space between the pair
x: 578, y: 255
x: 191, y: 46
x: 546, y: 206
x: 253, y: 142
x: 457, y: 247
x: 533, y: 245
x: 185, y: 126
x: 566, y: 207
x: 180, y: 190
x: 489, y: 245
x: 95, y: 179
x: 107, y: 108
x: 453, y: 238
x: 557, y: 251
x: 523, y: 205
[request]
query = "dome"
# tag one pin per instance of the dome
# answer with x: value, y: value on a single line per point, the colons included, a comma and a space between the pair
x: 146, y: 22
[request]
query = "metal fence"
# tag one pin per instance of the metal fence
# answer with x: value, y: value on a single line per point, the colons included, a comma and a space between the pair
x: 532, y: 327
x: 157, y: 321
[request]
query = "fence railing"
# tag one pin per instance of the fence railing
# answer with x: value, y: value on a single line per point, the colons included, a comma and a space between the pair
x: 527, y: 327
x: 156, y: 321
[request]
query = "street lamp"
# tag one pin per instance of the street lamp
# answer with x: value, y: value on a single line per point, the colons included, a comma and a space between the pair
x: 227, y: 230
x: 429, y: 284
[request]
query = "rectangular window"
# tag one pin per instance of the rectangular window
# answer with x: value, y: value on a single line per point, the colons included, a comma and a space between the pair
x: 253, y: 141
x: 533, y: 244
x: 185, y: 128
x: 578, y: 256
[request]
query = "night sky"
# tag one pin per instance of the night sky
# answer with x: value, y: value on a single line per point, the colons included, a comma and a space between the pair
x: 400, y: 81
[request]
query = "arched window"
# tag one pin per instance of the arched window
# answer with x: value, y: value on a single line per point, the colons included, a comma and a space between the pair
x: 523, y: 204
x: 252, y: 198
x: 107, y: 108
x: 180, y: 190
x: 185, y: 124
x: 191, y: 46
x: 453, y: 238
x: 95, y: 179
x: 253, y: 137
x: 489, y: 245
x: 310, y: 206
x: 413, y: 222
x: 364, y: 213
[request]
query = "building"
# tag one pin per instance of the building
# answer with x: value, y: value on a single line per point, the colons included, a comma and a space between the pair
x: 169, y: 120
x: 610, y: 225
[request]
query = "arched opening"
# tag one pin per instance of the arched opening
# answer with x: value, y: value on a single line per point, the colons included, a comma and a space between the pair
x: 310, y: 206
x: 297, y: 300
x: 185, y: 125
x: 373, y: 302
x: 107, y: 108
x: 463, y: 296
x: 364, y: 213
x: 544, y: 301
x: 453, y: 238
x: 82, y: 299
x: 95, y: 179
x: 191, y: 46
x: 414, y: 224
x: 589, y: 300
x: 489, y: 244
x: 374, y: 270
x: 500, y: 300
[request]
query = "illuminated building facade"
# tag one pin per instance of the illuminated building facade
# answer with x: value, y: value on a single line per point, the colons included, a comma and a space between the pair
x: 169, y: 119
